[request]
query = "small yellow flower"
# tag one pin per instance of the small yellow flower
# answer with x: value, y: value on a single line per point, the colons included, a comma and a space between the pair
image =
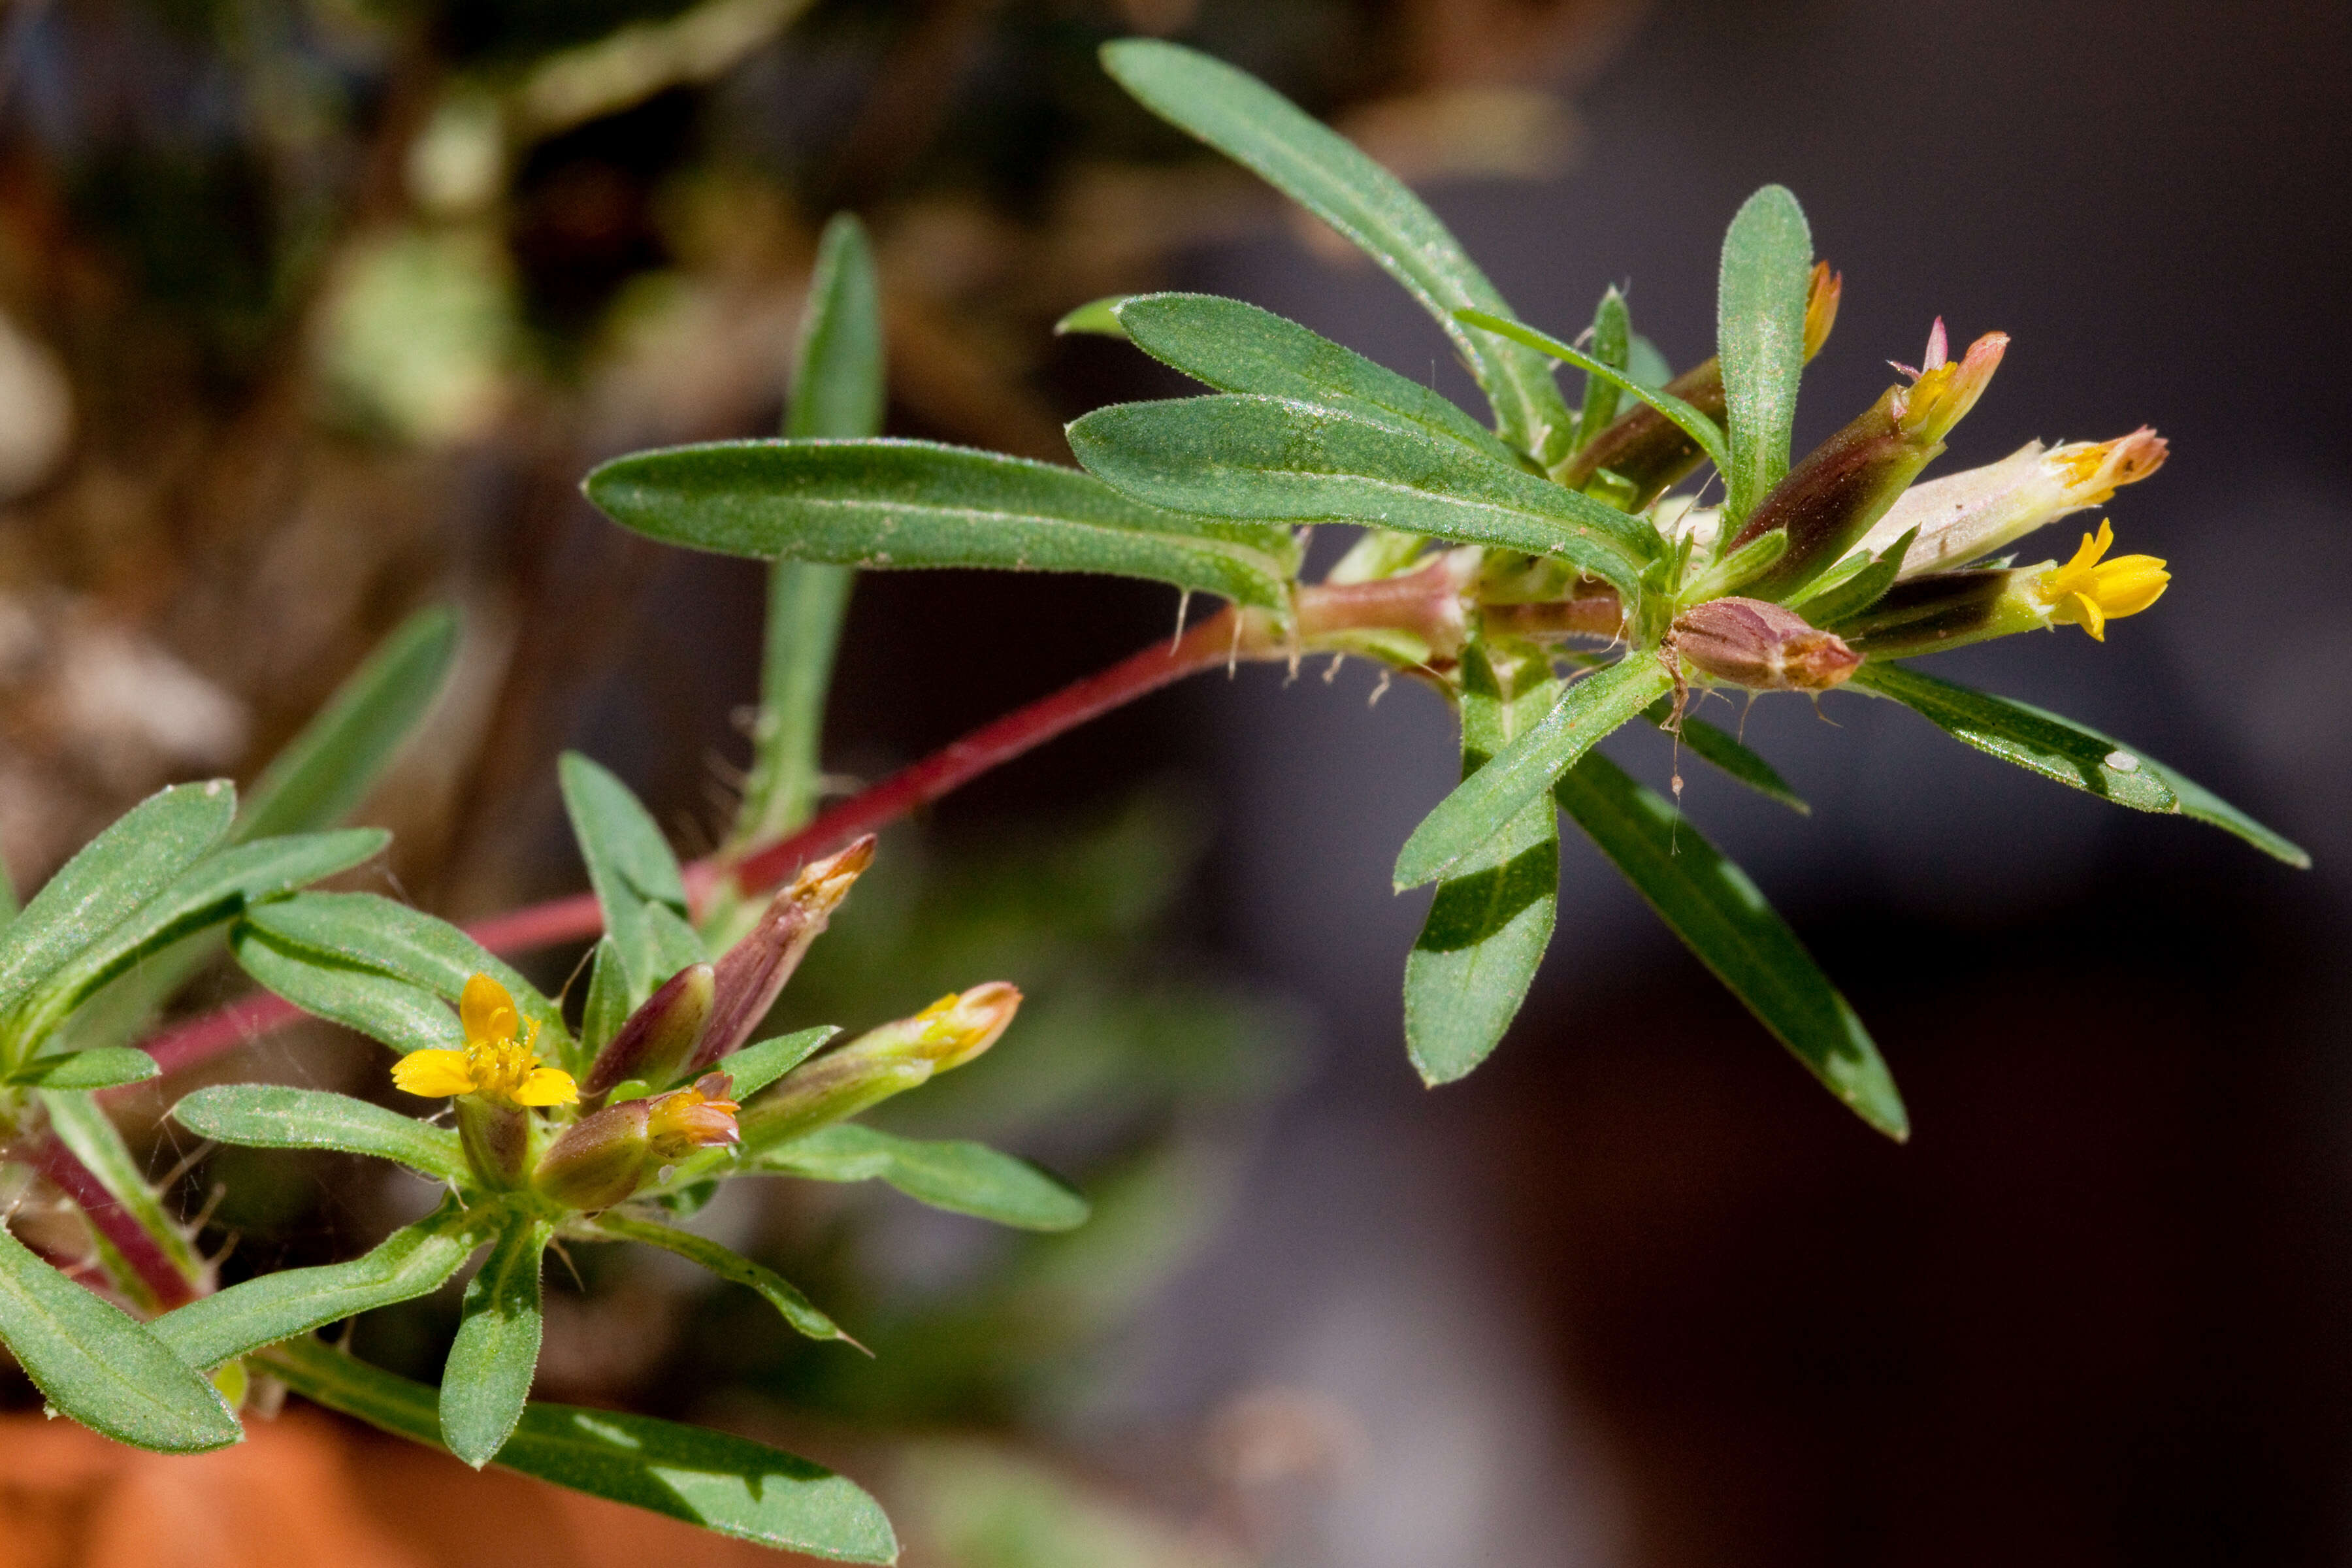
x: 2090, y: 591
x: 494, y: 1064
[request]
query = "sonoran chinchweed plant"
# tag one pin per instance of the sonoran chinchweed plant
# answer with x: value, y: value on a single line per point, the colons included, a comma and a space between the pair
x: 1544, y: 571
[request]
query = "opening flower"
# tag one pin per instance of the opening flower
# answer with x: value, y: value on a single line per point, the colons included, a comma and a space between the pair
x: 699, y: 1116
x: 2090, y: 591
x: 498, y: 1062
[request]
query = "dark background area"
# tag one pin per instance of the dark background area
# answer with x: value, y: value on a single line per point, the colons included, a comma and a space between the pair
x: 1638, y: 1292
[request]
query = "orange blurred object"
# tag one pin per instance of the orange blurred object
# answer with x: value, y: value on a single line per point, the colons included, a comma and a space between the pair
x: 309, y: 1487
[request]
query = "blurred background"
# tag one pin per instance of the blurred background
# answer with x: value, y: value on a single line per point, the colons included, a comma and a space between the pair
x: 313, y: 311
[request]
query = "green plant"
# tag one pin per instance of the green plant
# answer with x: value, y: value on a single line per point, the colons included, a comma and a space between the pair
x: 1485, y: 555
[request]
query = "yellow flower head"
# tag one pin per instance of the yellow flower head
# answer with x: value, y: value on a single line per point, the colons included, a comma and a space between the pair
x: 960, y: 1025
x: 495, y: 1063
x: 2090, y: 591
x: 1944, y: 389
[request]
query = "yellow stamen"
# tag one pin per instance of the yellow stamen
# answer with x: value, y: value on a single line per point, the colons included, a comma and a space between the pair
x: 2090, y: 591
x: 494, y: 1063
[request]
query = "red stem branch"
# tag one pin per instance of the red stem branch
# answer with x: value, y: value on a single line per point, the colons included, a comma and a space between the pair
x: 106, y: 1216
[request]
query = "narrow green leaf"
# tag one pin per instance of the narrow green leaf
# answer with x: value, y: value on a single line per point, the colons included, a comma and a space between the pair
x: 837, y: 385
x: 917, y: 504
x: 217, y: 888
x: 1258, y: 457
x: 1612, y: 331
x: 94, y: 1361
x: 89, y: 1133
x: 730, y: 1486
x: 1645, y: 366
x: 103, y: 1067
x: 962, y: 1177
x: 1487, y: 801
x: 276, y: 1115
x: 607, y: 1006
x: 401, y: 1014
x: 629, y: 865
x: 1851, y: 596
x: 1326, y: 173
x: 1691, y: 422
x: 1768, y: 257
x: 838, y: 393
x: 374, y: 932
x: 1487, y: 928
x: 121, y: 869
x: 1719, y: 914
x: 2073, y: 756
x: 413, y: 1261
x: 487, y: 1381
x: 773, y: 1287
x: 1236, y: 347
x: 1095, y: 318
x: 325, y: 771
x: 757, y: 1065
x: 1720, y: 750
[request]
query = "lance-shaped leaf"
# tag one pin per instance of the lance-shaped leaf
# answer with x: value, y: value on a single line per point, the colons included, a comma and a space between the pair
x: 94, y: 1361
x: 1710, y: 904
x: 2073, y: 754
x: 607, y: 1006
x: 215, y: 890
x: 1487, y: 928
x: 837, y: 393
x: 728, y: 1485
x: 89, y: 1134
x: 101, y: 1067
x: 413, y: 1261
x: 757, y: 1065
x: 1487, y: 801
x: 962, y: 1177
x: 633, y: 873
x: 327, y: 770
x: 374, y: 932
x: 1839, y: 593
x: 1723, y: 751
x: 1613, y: 332
x: 401, y: 1015
x: 1691, y: 423
x: 488, y: 1378
x: 917, y: 504
x: 136, y: 858
x: 773, y: 1288
x: 277, y: 1116
x: 1768, y: 258
x: 1236, y: 347
x: 1323, y: 172
x: 1250, y: 456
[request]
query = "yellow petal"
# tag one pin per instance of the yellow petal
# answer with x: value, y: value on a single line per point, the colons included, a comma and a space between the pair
x: 2092, y: 618
x: 432, y: 1074
x: 546, y: 1086
x: 487, y: 1011
x: 2130, y: 583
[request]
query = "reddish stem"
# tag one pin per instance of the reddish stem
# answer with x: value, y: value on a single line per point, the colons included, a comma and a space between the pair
x: 106, y: 1216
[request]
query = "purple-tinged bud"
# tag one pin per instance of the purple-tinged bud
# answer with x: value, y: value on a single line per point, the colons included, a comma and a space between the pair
x: 1966, y: 516
x: 659, y: 1038
x: 752, y: 972
x: 1829, y: 502
x: 1763, y: 646
x: 882, y: 1062
x: 606, y: 1156
x: 1649, y: 451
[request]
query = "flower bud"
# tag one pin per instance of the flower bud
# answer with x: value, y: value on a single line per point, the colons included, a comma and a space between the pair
x: 606, y: 1156
x: 1966, y: 516
x: 882, y: 1062
x: 752, y: 972
x: 1649, y: 451
x: 1830, y: 500
x: 659, y: 1038
x: 1762, y: 646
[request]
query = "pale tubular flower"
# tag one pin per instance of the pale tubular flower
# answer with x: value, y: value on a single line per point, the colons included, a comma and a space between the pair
x: 1966, y: 516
